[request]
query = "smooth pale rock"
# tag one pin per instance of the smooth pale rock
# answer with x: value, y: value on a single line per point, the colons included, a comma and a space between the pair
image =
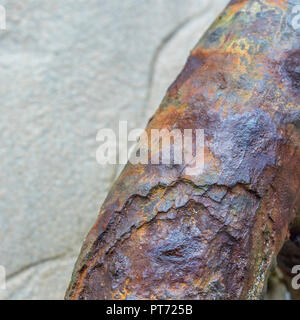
x: 46, y: 281
x: 67, y: 69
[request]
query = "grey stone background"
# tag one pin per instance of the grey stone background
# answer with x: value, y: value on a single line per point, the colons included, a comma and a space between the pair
x: 67, y: 69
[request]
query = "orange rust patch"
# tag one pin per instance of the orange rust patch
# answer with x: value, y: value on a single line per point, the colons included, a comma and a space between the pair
x: 282, y: 4
x: 236, y: 6
x: 167, y: 117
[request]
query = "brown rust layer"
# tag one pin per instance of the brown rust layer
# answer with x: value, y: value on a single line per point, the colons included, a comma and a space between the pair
x: 162, y: 234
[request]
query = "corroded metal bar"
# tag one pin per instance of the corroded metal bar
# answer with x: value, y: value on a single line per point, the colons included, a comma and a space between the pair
x: 162, y: 234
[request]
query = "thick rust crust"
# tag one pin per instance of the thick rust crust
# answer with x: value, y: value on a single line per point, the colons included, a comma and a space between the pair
x: 162, y: 234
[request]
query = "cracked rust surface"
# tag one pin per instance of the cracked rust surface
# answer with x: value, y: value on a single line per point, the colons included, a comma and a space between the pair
x: 162, y: 234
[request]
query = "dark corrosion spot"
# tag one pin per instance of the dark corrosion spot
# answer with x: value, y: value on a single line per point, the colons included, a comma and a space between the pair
x: 292, y: 69
x: 176, y: 252
x: 295, y: 236
x: 233, y: 2
x: 216, y: 35
x: 297, y: 125
x: 193, y: 63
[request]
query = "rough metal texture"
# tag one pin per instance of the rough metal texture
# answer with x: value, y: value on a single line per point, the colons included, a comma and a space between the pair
x: 162, y: 234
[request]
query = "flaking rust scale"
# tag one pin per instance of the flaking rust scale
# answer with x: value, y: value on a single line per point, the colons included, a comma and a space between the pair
x: 162, y: 234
